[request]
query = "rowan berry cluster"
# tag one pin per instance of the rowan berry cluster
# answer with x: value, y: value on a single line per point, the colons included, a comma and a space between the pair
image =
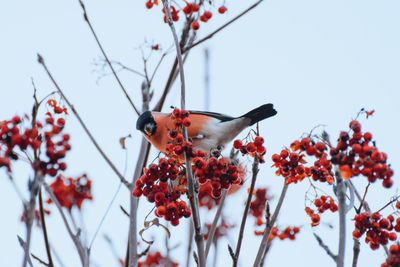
x: 379, y: 230
x: 322, y: 204
x: 71, y: 192
x: 13, y: 135
x: 357, y: 154
x: 393, y: 259
x: 56, y: 108
x: 156, y: 259
x: 257, y: 206
x: 290, y: 165
x: 255, y: 148
x: 176, y: 146
x: 219, y: 171
x: 153, y: 184
x: 190, y: 9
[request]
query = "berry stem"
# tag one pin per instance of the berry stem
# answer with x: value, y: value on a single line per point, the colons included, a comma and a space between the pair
x: 43, y: 222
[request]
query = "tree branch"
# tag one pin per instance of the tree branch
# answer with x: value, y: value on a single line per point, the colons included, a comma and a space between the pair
x: 45, y: 237
x: 264, y: 241
x: 86, y: 18
x: 325, y: 247
x: 123, y: 180
x: 356, y: 251
x: 341, y: 194
x: 246, y: 212
x: 209, y: 36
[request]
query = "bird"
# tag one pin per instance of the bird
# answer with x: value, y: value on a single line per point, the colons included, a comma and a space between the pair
x: 208, y: 130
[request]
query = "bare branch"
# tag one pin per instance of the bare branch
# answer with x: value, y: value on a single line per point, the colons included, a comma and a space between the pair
x: 45, y: 237
x: 356, y: 251
x: 325, y: 247
x: 264, y: 241
x: 246, y: 211
x: 222, y: 27
x: 85, y: 16
x: 341, y: 194
x: 123, y: 180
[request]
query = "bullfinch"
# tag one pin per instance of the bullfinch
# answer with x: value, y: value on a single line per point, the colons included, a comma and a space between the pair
x: 208, y: 130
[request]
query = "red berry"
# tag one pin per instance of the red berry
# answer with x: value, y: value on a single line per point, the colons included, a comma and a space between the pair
x: 258, y: 141
x: 195, y: 25
x: 237, y: 144
x: 208, y: 14
x: 251, y: 147
x: 222, y: 9
x: 149, y: 5
x: 195, y: 7
x: 186, y: 121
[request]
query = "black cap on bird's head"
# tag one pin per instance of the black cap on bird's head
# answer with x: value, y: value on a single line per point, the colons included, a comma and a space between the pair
x: 146, y: 123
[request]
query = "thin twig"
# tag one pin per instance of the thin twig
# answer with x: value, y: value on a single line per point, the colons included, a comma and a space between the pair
x: 189, y: 249
x: 222, y: 27
x: 246, y: 211
x: 356, y: 251
x: 267, y: 248
x: 215, y: 222
x: 39, y: 260
x: 86, y: 18
x: 325, y: 247
x: 24, y: 246
x: 123, y: 180
x: 45, y: 237
x: 75, y: 237
x: 264, y: 241
x: 190, y: 184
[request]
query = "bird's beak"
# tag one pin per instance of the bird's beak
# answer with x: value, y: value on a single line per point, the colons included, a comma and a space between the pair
x: 148, y: 133
x: 149, y: 129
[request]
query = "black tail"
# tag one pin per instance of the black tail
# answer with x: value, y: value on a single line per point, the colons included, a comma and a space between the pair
x: 260, y: 113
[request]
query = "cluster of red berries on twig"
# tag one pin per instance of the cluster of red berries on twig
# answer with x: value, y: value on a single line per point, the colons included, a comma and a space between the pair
x: 322, y: 204
x: 357, y: 154
x: 393, y: 259
x: 156, y: 259
x: 70, y: 191
x: 154, y: 185
x: 220, y: 172
x: 190, y: 9
x: 57, y: 109
x: 13, y: 135
x: 255, y: 148
x: 205, y: 196
x: 379, y: 230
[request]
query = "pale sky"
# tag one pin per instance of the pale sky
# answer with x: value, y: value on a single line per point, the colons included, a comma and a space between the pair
x: 318, y: 62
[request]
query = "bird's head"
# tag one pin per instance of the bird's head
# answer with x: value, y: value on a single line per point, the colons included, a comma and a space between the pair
x: 146, y: 123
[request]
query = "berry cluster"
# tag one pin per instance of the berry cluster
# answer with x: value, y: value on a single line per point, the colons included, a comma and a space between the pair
x: 190, y: 9
x: 56, y: 146
x: 220, y: 172
x: 257, y: 206
x: 357, y: 154
x: 255, y: 148
x: 379, y: 230
x: 176, y: 146
x: 156, y: 259
x: 13, y: 135
x: 322, y: 204
x: 153, y: 184
x: 71, y: 192
x: 290, y: 165
x: 393, y: 259
x: 57, y: 109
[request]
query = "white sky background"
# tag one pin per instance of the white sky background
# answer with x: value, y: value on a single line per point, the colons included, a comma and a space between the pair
x: 319, y: 62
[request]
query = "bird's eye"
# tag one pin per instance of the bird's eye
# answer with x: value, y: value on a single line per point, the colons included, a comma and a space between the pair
x: 149, y: 128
